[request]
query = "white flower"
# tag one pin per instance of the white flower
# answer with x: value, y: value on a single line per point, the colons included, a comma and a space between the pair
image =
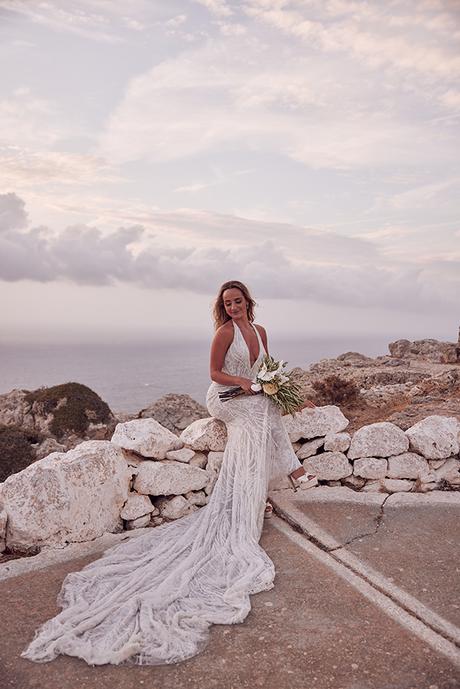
x: 262, y: 370
x: 256, y: 387
x: 267, y: 376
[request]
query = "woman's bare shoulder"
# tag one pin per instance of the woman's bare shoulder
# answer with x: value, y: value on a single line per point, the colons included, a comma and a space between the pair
x: 224, y: 332
x: 261, y: 329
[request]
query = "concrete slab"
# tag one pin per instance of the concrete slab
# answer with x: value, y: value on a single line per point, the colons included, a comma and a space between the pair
x: 410, y: 539
x: 313, y: 630
x: 418, y: 548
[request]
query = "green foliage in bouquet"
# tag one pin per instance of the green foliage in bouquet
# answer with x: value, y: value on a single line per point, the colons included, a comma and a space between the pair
x: 279, y: 385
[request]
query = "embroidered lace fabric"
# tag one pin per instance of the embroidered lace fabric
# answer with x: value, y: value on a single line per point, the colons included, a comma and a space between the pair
x: 152, y: 599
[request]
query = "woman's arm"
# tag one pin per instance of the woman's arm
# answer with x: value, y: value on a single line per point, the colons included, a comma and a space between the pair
x: 221, y: 342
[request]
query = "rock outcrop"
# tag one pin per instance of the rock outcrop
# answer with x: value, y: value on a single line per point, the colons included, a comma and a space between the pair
x: 66, y: 497
x: 35, y: 423
x: 415, y: 380
x: 175, y: 412
x: 426, y: 350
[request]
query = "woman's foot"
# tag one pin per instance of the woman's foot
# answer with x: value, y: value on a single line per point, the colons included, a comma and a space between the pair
x: 300, y: 479
x: 268, y: 510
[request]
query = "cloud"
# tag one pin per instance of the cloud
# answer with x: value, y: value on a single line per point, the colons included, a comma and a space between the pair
x: 12, y: 213
x: 23, y: 167
x: 426, y: 195
x: 30, y: 121
x: 220, y: 8
x: 326, y: 270
x: 79, y: 20
x: 248, y: 94
x: 359, y: 29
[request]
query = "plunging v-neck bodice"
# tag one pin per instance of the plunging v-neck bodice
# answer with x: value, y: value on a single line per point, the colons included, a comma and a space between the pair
x: 259, y: 340
x: 237, y: 360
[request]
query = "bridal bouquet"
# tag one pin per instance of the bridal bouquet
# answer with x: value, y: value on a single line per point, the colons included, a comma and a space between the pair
x: 272, y: 380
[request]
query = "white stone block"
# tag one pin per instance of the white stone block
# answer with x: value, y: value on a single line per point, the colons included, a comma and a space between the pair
x: 205, y: 434
x: 381, y: 439
x: 328, y: 466
x: 147, y: 437
x: 168, y: 478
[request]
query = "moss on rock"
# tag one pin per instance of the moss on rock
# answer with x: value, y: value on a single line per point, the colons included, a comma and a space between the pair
x: 74, y: 407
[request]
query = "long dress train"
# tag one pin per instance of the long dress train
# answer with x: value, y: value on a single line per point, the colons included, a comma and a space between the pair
x: 152, y: 599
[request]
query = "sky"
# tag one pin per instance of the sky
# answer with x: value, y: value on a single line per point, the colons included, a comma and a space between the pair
x: 151, y: 150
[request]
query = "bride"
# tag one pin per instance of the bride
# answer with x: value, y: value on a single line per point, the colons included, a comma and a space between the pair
x: 152, y: 599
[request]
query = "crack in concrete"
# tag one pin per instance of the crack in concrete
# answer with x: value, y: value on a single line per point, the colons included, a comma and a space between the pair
x: 378, y: 520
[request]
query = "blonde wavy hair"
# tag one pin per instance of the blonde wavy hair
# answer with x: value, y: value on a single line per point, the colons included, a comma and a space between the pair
x: 219, y: 313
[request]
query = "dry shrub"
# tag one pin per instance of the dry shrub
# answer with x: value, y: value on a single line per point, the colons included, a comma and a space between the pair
x: 335, y: 390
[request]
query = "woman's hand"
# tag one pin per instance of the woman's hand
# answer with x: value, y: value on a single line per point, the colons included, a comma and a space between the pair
x: 245, y: 384
x: 308, y: 403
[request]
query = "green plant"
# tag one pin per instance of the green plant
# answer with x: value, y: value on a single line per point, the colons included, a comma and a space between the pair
x: 16, y: 451
x: 73, y: 405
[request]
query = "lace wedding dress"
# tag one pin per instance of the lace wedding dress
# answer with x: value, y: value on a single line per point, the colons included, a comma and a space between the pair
x: 152, y: 599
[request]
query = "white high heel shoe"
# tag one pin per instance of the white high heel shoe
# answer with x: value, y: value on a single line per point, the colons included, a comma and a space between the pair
x: 300, y: 479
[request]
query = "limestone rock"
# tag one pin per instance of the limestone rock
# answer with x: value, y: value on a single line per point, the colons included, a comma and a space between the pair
x: 407, y: 465
x: 175, y: 508
x: 212, y: 478
x: 382, y: 395
x: 205, y: 435
x: 337, y: 442
x: 197, y: 497
x: 156, y: 521
x: 138, y: 523
x: 449, y: 471
x: 137, y: 506
x: 311, y: 423
x: 354, y: 482
x: 15, y: 411
x: 329, y: 466
x: 48, y: 446
x: 146, y: 437
x: 175, y: 412
x: 373, y: 487
x: 67, y: 497
x: 435, y: 437
x: 426, y: 350
x: 436, y: 463
x: 183, y: 455
x: 370, y: 467
x: 395, y: 485
x: 215, y: 461
x: 309, y: 448
x: 168, y: 478
x: 378, y: 440
x: 3, y: 520
x: 133, y: 460
x: 199, y: 459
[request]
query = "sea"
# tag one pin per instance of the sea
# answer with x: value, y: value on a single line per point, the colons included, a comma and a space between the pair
x: 130, y: 376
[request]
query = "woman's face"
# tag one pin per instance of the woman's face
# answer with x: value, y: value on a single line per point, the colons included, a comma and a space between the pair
x: 234, y: 302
